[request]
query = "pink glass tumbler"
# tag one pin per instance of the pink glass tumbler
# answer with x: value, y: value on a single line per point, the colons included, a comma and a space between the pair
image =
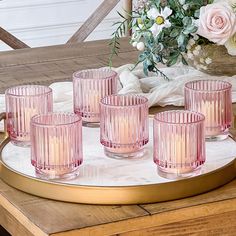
x: 179, y: 143
x: 90, y: 86
x: 213, y: 99
x: 56, y: 150
x: 23, y: 102
x: 124, y: 125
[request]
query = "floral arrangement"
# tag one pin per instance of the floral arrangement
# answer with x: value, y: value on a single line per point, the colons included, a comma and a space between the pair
x: 170, y: 31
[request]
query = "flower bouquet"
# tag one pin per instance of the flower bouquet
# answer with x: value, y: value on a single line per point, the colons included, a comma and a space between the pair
x: 199, y: 33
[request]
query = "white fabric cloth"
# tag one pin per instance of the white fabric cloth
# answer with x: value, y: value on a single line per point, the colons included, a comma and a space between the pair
x: 158, y: 90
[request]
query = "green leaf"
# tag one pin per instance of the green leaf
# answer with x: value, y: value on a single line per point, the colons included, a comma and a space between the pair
x: 190, y: 29
x: 142, y: 57
x: 172, y: 61
x: 121, y: 15
x: 184, y: 61
x: 197, y: 13
x: 181, y: 39
x: 174, y: 33
x: 187, y: 21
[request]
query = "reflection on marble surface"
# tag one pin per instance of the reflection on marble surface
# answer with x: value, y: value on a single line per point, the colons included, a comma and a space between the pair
x: 99, y: 170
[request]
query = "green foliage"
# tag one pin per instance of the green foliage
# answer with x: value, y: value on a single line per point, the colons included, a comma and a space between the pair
x: 171, y: 44
x: 114, y: 42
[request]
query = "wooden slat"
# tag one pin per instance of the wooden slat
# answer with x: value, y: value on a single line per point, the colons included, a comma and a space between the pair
x: 12, y: 224
x: 127, y: 10
x: 11, y: 40
x: 226, y: 192
x: 203, y: 226
x: 93, y: 21
x: 56, y: 63
x: 52, y: 216
x: 138, y: 226
x: 77, y: 219
x: 91, y: 49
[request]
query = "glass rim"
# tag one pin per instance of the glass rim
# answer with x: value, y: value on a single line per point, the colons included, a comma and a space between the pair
x: 200, y: 115
x: 111, y: 75
x: 145, y: 100
x: 209, y: 91
x: 41, y: 124
x: 7, y: 92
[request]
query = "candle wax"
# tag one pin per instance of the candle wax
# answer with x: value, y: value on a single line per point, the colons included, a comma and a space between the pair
x: 212, y: 117
x: 94, y: 99
x: 58, y: 152
x: 181, y: 155
x: 123, y: 136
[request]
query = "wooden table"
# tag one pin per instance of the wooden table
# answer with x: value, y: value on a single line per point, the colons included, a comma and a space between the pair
x: 213, y: 213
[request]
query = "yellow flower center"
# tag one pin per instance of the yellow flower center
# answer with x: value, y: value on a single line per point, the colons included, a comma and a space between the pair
x: 160, y: 20
x: 140, y: 22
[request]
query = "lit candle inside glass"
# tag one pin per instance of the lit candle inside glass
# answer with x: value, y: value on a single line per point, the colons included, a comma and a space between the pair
x: 58, y: 150
x: 22, y: 103
x: 180, y: 155
x: 211, y: 117
x: 56, y: 145
x: 89, y: 87
x: 94, y: 98
x: 124, y: 125
x: 124, y: 136
x: 179, y: 142
x: 29, y: 112
x: 212, y: 98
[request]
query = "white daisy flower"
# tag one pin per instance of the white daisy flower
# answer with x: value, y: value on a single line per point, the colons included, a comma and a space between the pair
x: 160, y: 18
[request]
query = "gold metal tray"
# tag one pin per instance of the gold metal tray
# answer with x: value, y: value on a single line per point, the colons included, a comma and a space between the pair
x: 107, y: 181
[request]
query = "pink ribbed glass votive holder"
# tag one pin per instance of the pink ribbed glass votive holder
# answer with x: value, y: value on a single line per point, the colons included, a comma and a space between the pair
x: 212, y: 98
x: 90, y: 86
x: 124, y: 125
x: 179, y: 143
x: 56, y: 150
x: 23, y: 102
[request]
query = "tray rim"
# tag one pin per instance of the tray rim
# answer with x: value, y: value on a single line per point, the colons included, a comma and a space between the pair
x: 113, y: 195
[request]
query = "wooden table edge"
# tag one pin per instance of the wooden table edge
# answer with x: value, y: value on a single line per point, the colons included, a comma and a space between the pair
x: 160, y: 219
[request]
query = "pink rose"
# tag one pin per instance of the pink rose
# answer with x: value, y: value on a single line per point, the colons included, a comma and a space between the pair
x: 217, y: 22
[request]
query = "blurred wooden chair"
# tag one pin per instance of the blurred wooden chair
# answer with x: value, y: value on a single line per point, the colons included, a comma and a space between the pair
x: 82, y: 33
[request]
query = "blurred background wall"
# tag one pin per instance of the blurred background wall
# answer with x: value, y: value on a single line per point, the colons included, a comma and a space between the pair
x: 50, y: 22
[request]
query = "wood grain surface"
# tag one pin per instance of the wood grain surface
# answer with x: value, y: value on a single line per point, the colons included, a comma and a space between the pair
x: 93, y: 21
x: 57, y: 63
x: 11, y: 40
x: 212, y: 213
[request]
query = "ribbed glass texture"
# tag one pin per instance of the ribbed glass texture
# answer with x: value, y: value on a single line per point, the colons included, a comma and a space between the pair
x: 23, y: 102
x: 90, y: 86
x: 179, y: 142
x: 213, y: 99
x: 124, y: 124
x: 56, y: 150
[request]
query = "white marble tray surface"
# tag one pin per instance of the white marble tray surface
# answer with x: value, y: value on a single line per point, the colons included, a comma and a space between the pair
x: 99, y: 170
